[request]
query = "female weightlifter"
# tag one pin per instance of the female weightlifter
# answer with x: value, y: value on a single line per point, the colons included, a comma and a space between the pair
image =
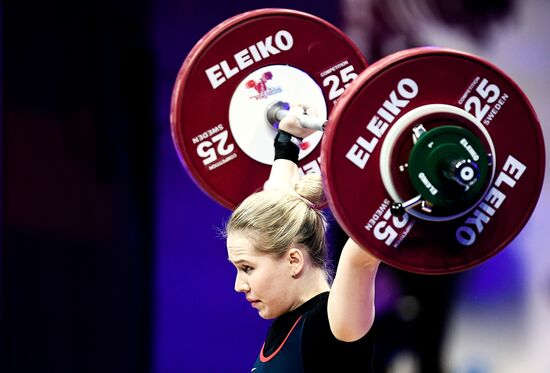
x: 276, y: 239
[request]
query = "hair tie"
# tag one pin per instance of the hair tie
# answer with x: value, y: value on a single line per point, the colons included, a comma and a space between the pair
x: 307, y: 202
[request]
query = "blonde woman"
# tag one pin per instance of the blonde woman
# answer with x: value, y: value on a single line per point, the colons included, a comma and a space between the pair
x: 276, y: 239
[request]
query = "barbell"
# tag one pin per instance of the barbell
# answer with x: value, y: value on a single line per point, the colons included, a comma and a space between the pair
x: 432, y: 158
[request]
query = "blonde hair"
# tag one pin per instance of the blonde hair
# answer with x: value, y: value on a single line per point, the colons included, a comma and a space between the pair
x: 274, y: 220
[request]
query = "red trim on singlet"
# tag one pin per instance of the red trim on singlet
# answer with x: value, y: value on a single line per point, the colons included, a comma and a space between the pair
x: 265, y: 359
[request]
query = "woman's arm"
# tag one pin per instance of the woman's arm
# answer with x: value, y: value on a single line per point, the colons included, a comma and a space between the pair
x: 351, y: 300
x: 284, y: 173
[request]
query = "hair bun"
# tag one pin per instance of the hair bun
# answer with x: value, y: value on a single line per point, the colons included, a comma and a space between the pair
x: 310, y: 187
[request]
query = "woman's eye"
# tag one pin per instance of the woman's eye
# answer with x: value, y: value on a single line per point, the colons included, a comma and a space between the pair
x: 246, y: 269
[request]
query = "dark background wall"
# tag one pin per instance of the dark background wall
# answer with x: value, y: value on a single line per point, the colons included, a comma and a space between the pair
x: 77, y: 152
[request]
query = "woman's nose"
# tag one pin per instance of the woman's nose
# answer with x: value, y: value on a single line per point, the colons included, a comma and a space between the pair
x: 241, y: 285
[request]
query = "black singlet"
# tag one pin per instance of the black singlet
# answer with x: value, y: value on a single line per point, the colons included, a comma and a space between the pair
x: 301, y: 341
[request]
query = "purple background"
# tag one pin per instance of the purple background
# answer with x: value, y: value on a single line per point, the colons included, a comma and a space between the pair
x: 202, y: 324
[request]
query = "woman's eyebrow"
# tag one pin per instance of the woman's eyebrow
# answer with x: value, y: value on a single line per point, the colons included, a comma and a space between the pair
x: 238, y: 261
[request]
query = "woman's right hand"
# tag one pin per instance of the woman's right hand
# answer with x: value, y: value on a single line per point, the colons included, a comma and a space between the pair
x: 291, y: 124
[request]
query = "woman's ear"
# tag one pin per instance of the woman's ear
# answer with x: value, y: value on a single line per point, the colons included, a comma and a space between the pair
x: 296, y: 261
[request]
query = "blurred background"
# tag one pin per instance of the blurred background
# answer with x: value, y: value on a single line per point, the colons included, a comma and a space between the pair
x: 109, y: 257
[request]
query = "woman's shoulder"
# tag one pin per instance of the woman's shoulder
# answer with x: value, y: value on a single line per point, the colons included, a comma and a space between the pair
x: 318, y: 341
x: 317, y: 326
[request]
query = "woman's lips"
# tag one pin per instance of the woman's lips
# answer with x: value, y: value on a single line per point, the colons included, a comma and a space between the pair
x: 253, y: 302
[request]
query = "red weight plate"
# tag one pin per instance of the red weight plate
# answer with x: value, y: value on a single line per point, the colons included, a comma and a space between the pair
x: 218, y: 117
x: 359, y: 125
